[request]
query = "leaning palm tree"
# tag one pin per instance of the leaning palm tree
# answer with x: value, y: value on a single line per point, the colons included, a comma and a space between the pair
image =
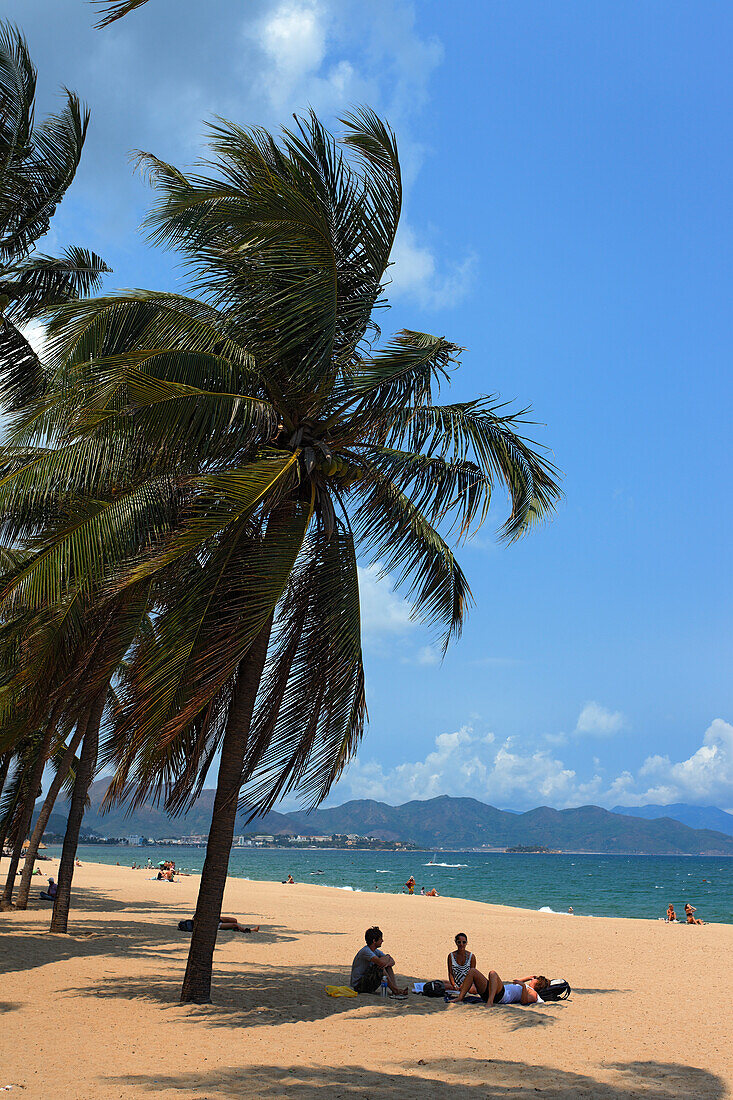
x: 37, y: 164
x: 237, y: 451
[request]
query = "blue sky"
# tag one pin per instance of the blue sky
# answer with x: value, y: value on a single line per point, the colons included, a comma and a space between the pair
x: 568, y: 221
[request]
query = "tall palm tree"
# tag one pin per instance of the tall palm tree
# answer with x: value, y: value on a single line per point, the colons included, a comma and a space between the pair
x: 237, y: 451
x: 37, y: 165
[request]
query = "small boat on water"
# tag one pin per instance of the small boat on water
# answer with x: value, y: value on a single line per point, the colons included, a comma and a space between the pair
x: 431, y: 862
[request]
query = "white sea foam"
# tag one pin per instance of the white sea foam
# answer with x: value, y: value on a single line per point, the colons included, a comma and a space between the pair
x: 380, y: 872
x: 445, y: 865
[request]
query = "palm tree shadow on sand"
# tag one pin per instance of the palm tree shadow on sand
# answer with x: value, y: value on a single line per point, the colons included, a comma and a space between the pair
x: 486, y: 1078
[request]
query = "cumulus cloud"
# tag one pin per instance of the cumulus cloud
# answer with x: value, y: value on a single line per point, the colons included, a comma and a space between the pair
x: 705, y: 777
x: 596, y: 721
x: 470, y: 763
x: 383, y: 611
x: 416, y: 273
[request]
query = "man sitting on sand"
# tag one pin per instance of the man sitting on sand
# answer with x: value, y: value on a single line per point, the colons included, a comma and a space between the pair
x: 671, y: 915
x: 50, y: 894
x: 371, y: 966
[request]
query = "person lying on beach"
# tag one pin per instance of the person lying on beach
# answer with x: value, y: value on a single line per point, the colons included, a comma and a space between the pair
x: 231, y: 924
x: 671, y: 915
x: 226, y: 924
x: 50, y: 894
x: 460, y: 962
x: 371, y: 966
x: 492, y: 990
x: 690, y: 910
x: 432, y: 893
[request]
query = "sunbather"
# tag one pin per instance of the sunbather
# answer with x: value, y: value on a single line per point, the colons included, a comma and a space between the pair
x: 494, y: 991
x: 690, y: 911
x: 460, y: 962
x: 671, y: 915
x: 231, y: 924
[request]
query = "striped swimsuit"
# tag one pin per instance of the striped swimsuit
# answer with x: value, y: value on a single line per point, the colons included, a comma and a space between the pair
x: 459, y: 972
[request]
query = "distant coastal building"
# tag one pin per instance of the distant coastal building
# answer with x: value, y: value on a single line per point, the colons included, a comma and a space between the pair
x: 134, y: 841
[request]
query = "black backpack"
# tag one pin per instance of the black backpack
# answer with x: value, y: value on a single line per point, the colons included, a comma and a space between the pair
x: 433, y: 989
x: 185, y: 926
x: 557, y: 990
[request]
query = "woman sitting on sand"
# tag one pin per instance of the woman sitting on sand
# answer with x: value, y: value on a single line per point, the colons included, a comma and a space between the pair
x: 671, y: 915
x: 460, y: 962
x: 492, y: 990
x: 690, y: 910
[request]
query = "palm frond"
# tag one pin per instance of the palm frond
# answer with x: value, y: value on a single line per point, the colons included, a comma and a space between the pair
x: 393, y: 533
x: 311, y: 708
x: 112, y: 10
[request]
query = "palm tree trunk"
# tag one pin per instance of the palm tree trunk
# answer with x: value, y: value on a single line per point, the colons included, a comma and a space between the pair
x: 34, y: 783
x: 84, y: 777
x: 4, y: 769
x: 21, y: 902
x: 197, y: 980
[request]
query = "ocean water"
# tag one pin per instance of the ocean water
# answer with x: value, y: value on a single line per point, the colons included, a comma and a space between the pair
x: 611, y: 886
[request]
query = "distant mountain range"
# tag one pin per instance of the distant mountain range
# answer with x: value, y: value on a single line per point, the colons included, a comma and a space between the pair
x: 697, y: 817
x: 435, y: 823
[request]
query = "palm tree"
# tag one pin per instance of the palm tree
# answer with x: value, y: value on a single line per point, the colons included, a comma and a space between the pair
x: 236, y: 451
x: 64, y: 761
x: 37, y: 164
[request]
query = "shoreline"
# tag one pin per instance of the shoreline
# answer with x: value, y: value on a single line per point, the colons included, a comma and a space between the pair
x: 540, y: 910
x: 108, y: 992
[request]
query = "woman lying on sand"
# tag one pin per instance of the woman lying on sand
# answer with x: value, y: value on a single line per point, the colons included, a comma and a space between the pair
x: 494, y: 991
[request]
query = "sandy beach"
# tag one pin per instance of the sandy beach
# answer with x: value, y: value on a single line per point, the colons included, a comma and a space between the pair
x: 96, y: 1013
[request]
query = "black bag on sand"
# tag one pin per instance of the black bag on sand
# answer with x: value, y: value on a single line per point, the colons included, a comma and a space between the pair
x: 433, y: 989
x: 557, y: 990
x: 185, y: 926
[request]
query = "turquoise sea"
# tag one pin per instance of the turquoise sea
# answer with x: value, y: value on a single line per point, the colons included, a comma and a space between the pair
x: 612, y: 886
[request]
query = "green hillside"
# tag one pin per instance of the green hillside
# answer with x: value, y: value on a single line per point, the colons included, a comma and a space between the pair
x: 442, y: 822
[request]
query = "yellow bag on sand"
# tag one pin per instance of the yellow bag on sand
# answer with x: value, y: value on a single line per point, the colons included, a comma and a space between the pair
x: 340, y: 991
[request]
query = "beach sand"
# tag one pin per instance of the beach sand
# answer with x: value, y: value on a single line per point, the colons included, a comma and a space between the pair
x: 96, y: 1013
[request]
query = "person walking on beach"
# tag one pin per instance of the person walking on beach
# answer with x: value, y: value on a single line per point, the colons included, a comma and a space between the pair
x: 371, y: 966
x: 410, y: 884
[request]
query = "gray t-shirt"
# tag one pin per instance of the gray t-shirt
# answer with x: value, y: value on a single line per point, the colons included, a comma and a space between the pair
x: 362, y: 961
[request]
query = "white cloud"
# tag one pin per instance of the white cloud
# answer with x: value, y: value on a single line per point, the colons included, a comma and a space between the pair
x: 415, y: 273
x: 428, y: 655
x: 469, y: 763
x: 705, y: 777
x: 383, y: 611
x: 596, y: 721
x: 35, y: 334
